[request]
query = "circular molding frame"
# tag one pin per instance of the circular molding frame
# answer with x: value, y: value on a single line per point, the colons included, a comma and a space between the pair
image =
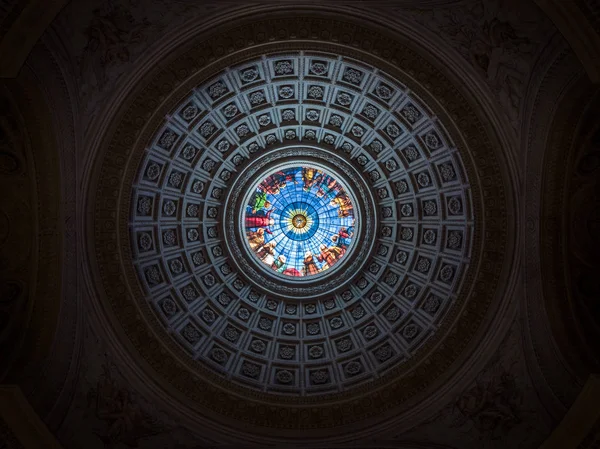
x: 364, y: 203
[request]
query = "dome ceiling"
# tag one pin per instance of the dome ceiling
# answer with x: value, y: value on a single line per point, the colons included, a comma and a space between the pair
x: 299, y: 226
x: 179, y: 184
x: 364, y: 128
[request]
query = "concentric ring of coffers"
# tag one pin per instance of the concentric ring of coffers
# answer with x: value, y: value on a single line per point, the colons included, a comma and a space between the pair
x: 299, y: 221
x: 385, y: 311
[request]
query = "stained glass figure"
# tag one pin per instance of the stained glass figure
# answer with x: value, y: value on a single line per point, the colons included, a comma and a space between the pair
x: 299, y: 221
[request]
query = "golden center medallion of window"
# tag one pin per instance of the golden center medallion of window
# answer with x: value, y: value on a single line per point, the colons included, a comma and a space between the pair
x: 299, y: 221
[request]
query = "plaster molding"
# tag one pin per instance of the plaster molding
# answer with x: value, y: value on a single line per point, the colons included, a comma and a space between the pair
x: 46, y: 69
x: 23, y: 421
x: 24, y: 32
x: 579, y: 428
x: 551, y: 127
x: 578, y: 30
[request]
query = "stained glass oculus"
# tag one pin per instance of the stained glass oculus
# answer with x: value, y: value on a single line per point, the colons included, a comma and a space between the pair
x: 299, y: 221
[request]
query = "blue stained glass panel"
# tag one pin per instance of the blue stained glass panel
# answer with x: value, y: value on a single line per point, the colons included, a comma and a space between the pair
x: 299, y: 221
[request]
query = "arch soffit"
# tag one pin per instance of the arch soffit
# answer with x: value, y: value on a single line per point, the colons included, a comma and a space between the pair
x: 555, y: 110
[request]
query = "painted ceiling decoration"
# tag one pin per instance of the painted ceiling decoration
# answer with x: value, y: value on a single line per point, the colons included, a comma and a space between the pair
x: 257, y: 202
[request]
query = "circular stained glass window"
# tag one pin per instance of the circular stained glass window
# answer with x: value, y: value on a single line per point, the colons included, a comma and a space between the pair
x: 299, y: 221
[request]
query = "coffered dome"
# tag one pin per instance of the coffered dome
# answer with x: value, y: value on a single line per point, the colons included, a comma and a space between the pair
x: 227, y: 333
x: 243, y: 199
